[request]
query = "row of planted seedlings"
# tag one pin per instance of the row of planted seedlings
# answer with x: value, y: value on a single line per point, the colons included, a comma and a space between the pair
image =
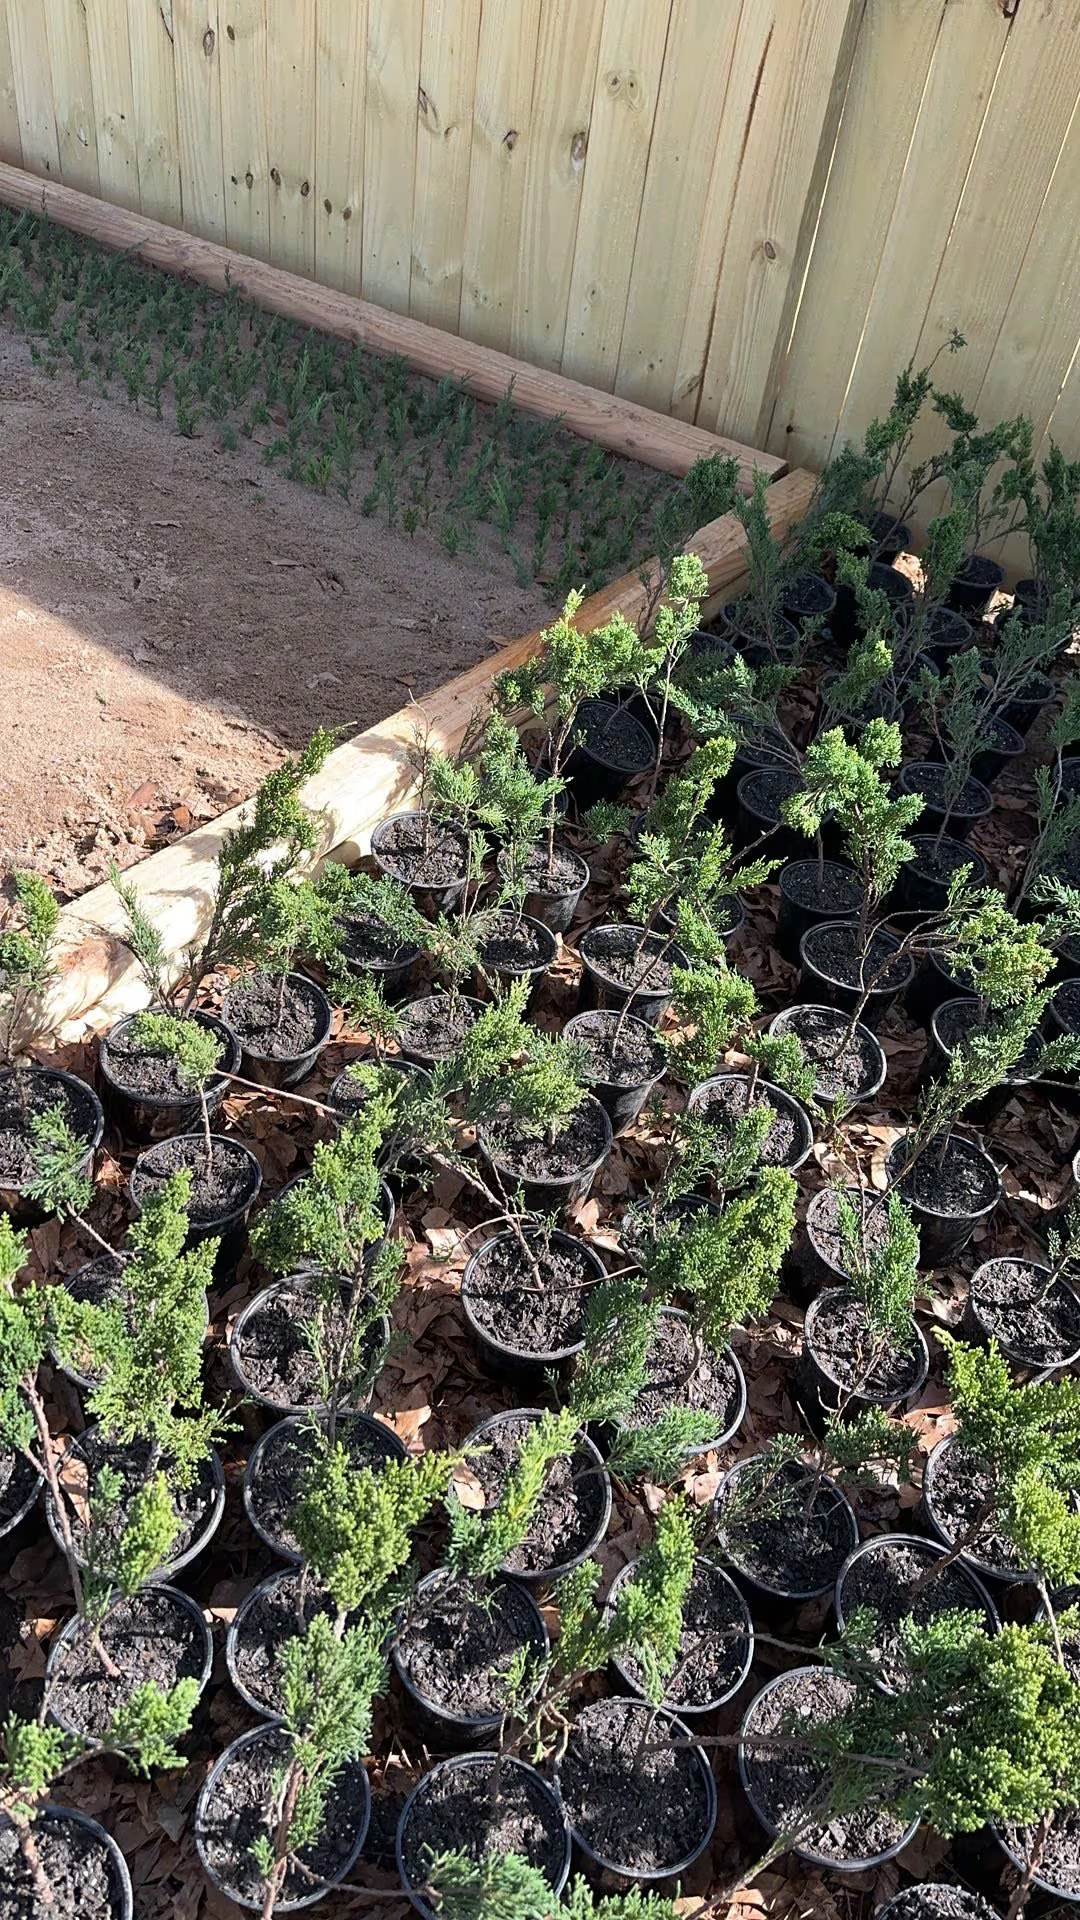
x: 622, y: 1364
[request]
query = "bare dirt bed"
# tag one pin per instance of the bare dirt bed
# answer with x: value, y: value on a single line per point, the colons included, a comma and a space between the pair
x: 173, y: 616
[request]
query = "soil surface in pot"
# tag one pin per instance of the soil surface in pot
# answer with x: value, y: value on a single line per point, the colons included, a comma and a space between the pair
x: 238, y: 1813
x: 504, y: 1299
x: 957, y: 1020
x: 872, y: 1215
x: 83, y: 1876
x: 1066, y: 1005
x: 954, y: 1183
x: 285, y: 1459
x: 422, y: 853
x: 840, y: 1070
x: 457, y: 1645
x: 23, y: 1096
x: 677, y: 1375
x: 17, y: 1482
x: 274, y: 1351
x: 569, y: 1510
x: 637, y: 1799
x: 962, y: 1485
x: 516, y: 943
x: 1060, y: 1864
x: 436, y: 1026
x: 149, y: 1636
x: 272, y: 1617
x: 844, y: 1346
x: 727, y: 1104
x: 937, y: 1902
x: 91, y: 1451
x: 783, y: 1779
x: 217, y: 1190
x: 790, y: 1533
x: 458, y: 1809
x: 531, y: 1157
x: 833, y: 952
x: 884, y: 1577
x: 640, y: 1055
x: 767, y: 789
x: 1016, y: 1304
x: 931, y: 779
x: 367, y: 941
x: 620, y: 954
x: 276, y: 1025
x: 713, y: 1648
x: 614, y: 735
x: 566, y: 872
x: 826, y: 888
x: 139, y: 1071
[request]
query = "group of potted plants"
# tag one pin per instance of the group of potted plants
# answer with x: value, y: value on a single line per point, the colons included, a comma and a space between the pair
x: 638, y: 1177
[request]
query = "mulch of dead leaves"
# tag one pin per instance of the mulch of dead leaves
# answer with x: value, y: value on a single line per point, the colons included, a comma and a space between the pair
x: 434, y: 1391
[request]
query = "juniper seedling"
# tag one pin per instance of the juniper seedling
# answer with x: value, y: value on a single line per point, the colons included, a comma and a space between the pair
x: 503, y: 1886
x: 882, y: 1272
x: 481, y: 1544
x: 612, y: 1371
x: 26, y: 964
x: 355, y: 1526
x: 1057, y: 812
x: 716, y: 1009
x: 727, y: 1265
x: 196, y: 1051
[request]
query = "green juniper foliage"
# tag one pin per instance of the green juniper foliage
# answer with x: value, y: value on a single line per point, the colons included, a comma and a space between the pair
x: 882, y: 1272
x: 195, y: 1050
x: 845, y: 779
x: 619, y: 1325
x: 25, y: 959
x: 60, y: 1182
x: 716, y: 1009
x: 1057, y: 811
x: 481, y: 1543
x: 503, y: 1886
x: 355, y: 1526
x: 727, y: 1265
x: 1053, y: 528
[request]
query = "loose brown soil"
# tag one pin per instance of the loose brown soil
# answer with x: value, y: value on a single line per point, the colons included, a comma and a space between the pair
x: 149, y: 1637
x: 570, y: 1508
x: 638, y: 1801
x: 458, y: 1645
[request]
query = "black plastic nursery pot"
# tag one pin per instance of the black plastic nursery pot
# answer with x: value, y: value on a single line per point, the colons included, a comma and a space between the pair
x: 952, y: 1191
x: 281, y: 1605
x: 222, y: 1194
x: 1062, y: 1020
x: 84, y: 1865
x: 236, y: 1807
x: 200, y: 1507
x: 572, y: 1515
x: 552, y: 1176
x: 464, y: 1803
x: 1004, y: 745
x: 279, y: 1462
x: 369, y: 946
x: 934, y: 987
x: 269, y: 1350
x: 929, y: 778
x: 879, y: 704
x: 779, y: 1780
x: 384, y: 1202
x: 808, y: 596
x: 20, y: 1484
x: 158, y: 1634
x: 954, y: 1491
x: 453, y: 1651
x: 26, y: 1093
x: 515, y: 948
x: 624, y: 1061
x: 348, y: 1098
x: 1058, y: 1876
x: 842, y: 1372
x: 783, y: 1552
x: 846, y: 622
x: 888, y: 536
x: 1024, y: 708
x: 638, y: 1790
x: 282, y: 1027
x: 922, y: 884
x: 760, y: 795
x: 433, y: 1027
x: 848, y: 1066
x: 524, y: 1331
x: 678, y: 1374
x: 817, y: 1256
x: 142, y: 1092
x: 753, y: 642
x: 1034, y: 1318
x: 430, y: 857
x: 832, y: 972
x: 936, y: 1900
x: 553, y: 887
x: 975, y: 584
x: 623, y: 962
x: 812, y: 891
x: 882, y: 1573
x: 948, y: 633
x: 611, y: 748
x: 951, y: 1025
x: 727, y: 1096
x: 717, y: 1647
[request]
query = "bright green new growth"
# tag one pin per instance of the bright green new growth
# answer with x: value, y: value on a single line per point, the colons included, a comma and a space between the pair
x: 145, y: 1732
x: 25, y: 956
x: 882, y: 1273
x: 481, y: 1543
x: 123, y: 1564
x: 647, y: 1617
x: 60, y: 1183
x: 846, y: 780
x: 619, y: 1326
x: 728, y: 1264
x: 503, y: 1886
x: 195, y: 1049
x: 355, y: 1525
x: 716, y: 1009
x: 332, y: 1215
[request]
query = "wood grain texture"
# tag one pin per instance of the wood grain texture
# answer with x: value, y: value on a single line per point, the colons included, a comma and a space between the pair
x: 32, y: 76
x: 503, y: 126
x: 338, y: 187
x: 361, y: 782
x: 155, y: 132
x: 10, y: 131
x: 196, y: 44
x: 395, y: 35
x: 444, y: 134
x: 244, y: 125
x: 290, y: 137
x: 113, y: 101
x: 73, y: 93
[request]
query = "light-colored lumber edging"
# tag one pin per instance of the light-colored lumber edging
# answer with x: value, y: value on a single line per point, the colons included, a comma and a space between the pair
x: 620, y: 425
x: 361, y: 781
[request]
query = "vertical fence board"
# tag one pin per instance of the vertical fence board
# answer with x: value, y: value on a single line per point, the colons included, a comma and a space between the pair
x: 340, y: 94
x: 72, y: 92
x: 502, y: 136
x: 443, y: 148
x: 395, y: 31
x: 242, y: 51
x: 196, y: 43
x: 10, y: 133
x: 290, y: 138
x: 33, y: 86
x: 624, y: 110
x: 114, y: 102
x: 566, y: 57
x: 153, y: 87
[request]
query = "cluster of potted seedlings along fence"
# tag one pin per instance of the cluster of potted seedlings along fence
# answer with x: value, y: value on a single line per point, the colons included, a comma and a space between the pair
x: 834, y: 734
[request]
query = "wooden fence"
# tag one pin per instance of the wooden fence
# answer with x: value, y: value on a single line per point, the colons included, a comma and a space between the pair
x: 748, y: 213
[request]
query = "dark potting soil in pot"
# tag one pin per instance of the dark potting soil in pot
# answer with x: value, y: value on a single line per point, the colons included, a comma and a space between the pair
x: 217, y: 1190
x: 873, y: 1218
x: 938, y: 1902
x: 17, y: 1483
x: 728, y: 1103
x: 847, y: 1350
x: 82, y: 1874
x: 638, y: 1799
x: 795, y: 1542
x: 503, y: 1296
x: 957, y: 1020
x: 569, y: 1510
x: 140, y: 1071
x: 91, y: 1451
x: 1060, y: 1864
x: 961, y: 1486
x: 458, y: 1809
x: 23, y: 1096
x: 932, y: 781
x: 784, y: 1779
x: 955, y: 1183
x: 368, y: 941
x: 273, y: 1616
x: 940, y: 859
x: 564, y: 873
x: 826, y: 888
x: 437, y: 1025
x: 272, y: 1025
x: 435, y: 858
x: 677, y: 1376
x: 620, y: 954
x: 884, y: 1579
x: 640, y: 1055
x: 1066, y: 1005
x: 148, y: 1637
x: 767, y: 789
x: 512, y: 942
x: 614, y: 735
x: 839, y: 1070
x: 532, y: 1157
x: 713, y: 1648
x: 96, y: 1284
x: 287, y: 1454
x: 833, y: 952
x: 275, y: 1351
x: 238, y: 1814
x: 1067, y: 1600
x: 1016, y: 1303
x: 458, y: 1645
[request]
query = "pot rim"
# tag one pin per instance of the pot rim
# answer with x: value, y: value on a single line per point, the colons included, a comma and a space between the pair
x: 176, y: 1597
x: 876, y: 994
x: 923, y: 1544
x: 829, y: 1294
x: 546, y: 1576
x: 706, y: 1706
x: 83, y: 1090
x: 489, y: 1339
x: 868, y: 1088
x: 754, y: 1579
x: 52, y: 1811
x: 467, y: 1762
x: 214, y: 1513
x: 258, y: 1454
x: 299, y: 1282
x: 216, y: 1084
x: 1008, y: 1576
x: 934, y: 1213
x: 322, y: 1006
x: 539, y: 1642
x: 211, y: 1229
x: 788, y: 1101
